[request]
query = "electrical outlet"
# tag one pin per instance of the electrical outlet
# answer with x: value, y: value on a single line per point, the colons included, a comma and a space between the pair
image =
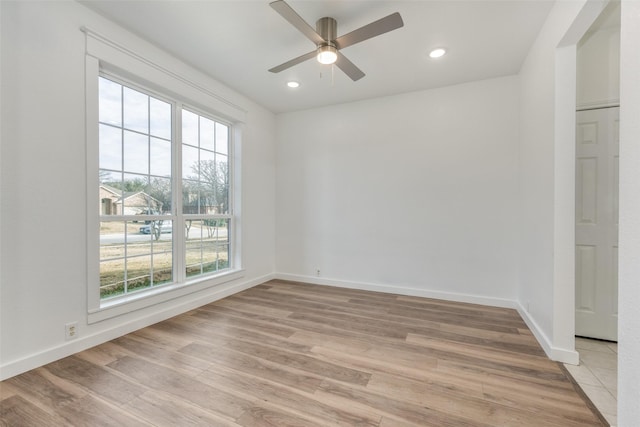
x: 71, y: 330
x: 318, y: 272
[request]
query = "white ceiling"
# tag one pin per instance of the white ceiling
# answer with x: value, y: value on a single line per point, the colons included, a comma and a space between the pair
x: 236, y: 42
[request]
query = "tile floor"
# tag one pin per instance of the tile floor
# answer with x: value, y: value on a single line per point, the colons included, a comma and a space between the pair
x: 597, y: 374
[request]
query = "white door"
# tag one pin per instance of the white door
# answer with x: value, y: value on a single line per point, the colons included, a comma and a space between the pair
x: 597, y: 148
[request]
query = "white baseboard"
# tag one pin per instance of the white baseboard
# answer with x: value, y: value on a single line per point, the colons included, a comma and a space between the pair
x: 68, y: 348
x: 401, y: 290
x: 554, y: 353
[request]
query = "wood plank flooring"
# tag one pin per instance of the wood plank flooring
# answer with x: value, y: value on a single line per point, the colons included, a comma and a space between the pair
x: 288, y: 354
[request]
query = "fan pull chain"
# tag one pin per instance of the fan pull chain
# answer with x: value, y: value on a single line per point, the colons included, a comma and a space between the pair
x: 333, y: 73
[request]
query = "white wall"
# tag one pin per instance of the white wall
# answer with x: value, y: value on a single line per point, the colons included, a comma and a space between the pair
x: 415, y: 193
x: 629, y: 261
x: 546, y: 184
x: 44, y: 266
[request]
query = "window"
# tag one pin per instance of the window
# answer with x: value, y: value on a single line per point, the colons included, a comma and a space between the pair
x: 165, y: 191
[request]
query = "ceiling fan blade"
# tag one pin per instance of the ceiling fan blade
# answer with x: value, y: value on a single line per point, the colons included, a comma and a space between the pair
x: 381, y: 26
x: 293, y: 62
x: 349, y: 67
x: 294, y: 19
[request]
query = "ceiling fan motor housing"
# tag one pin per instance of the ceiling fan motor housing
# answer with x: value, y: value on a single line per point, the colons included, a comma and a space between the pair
x: 327, y: 27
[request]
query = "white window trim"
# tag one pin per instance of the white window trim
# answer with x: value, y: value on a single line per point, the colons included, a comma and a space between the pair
x: 103, y: 54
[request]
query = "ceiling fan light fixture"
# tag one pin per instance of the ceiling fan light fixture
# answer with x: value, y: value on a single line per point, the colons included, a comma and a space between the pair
x: 327, y: 54
x: 437, y: 53
x: 326, y: 40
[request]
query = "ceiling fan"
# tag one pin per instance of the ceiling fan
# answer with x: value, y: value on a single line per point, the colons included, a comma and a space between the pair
x: 328, y: 45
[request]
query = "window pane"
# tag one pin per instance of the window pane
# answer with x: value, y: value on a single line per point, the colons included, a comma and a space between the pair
x: 209, y: 256
x: 223, y: 231
x: 192, y: 229
x: 190, y: 197
x: 111, y: 278
x: 222, y: 189
x: 193, y: 255
x: 110, y: 147
x: 135, y: 199
x: 160, y: 157
x: 223, y: 257
x: 222, y: 138
x: 110, y: 105
x: 160, y: 118
x: 189, y: 128
x: 112, y: 239
x: 164, y: 231
x: 208, y: 183
x: 138, y: 273
x: 208, y: 201
x: 207, y: 246
x: 194, y: 260
x: 194, y: 237
x: 206, y: 157
x: 136, y: 110
x: 207, y: 133
x: 160, y: 190
x: 162, y: 249
x: 136, y: 152
x: 110, y: 194
x: 162, y: 268
x: 189, y: 162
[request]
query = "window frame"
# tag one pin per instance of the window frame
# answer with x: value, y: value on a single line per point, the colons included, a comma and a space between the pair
x: 99, y: 309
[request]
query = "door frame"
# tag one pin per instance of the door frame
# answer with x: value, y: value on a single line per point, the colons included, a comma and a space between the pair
x: 563, y: 339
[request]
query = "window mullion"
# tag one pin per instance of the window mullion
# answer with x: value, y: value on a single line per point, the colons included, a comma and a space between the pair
x: 148, y: 185
x: 122, y: 147
x: 179, y: 241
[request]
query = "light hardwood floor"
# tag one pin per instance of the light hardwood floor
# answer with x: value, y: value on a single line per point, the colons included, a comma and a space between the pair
x: 287, y: 354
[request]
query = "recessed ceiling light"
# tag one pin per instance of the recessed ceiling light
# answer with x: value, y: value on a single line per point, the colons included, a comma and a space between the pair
x: 293, y: 84
x: 437, y: 53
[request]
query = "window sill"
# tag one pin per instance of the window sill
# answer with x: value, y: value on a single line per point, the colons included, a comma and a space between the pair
x: 128, y: 304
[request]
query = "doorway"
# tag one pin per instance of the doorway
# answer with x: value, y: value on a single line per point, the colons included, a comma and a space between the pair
x: 596, y: 178
x: 597, y: 160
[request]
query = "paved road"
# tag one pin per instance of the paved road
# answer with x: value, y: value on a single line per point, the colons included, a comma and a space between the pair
x: 109, y: 239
